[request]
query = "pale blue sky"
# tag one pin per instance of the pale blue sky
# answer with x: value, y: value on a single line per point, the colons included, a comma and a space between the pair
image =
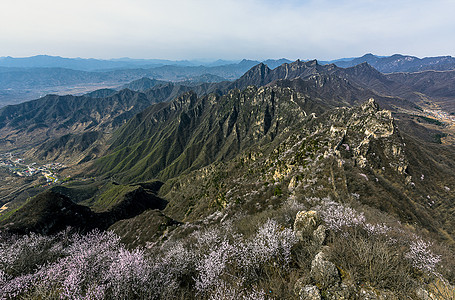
x: 228, y: 29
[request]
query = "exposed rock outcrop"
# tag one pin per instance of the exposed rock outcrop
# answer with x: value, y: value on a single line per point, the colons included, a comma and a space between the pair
x: 324, y: 272
x: 306, y: 222
x: 309, y: 292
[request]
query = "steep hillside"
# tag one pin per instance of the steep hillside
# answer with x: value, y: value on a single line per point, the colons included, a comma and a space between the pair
x: 33, y: 122
x: 71, y: 148
x: 261, y: 74
x: 191, y: 132
x: 338, y: 91
x: 167, y: 140
x: 333, y: 82
x: 351, y: 83
x: 54, y: 210
x: 440, y: 85
x: 355, y: 156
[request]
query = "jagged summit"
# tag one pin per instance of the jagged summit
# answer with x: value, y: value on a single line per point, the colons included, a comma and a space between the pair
x: 371, y: 103
x: 261, y: 74
x: 257, y: 75
x: 363, y: 69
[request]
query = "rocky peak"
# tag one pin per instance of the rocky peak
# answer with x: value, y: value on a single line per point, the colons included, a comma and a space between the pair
x: 257, y: 76
x: 370, y: 104
x: 362, y: 137
x: 185, y: 101
x: 312, y: 63
x: 365, y: 69
x: 372, y: 136
x: 371, y: 121
x: 298, y: 64
x: 261, y: 70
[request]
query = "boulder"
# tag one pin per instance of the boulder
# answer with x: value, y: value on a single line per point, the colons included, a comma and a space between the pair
x: 306, y: 222
x: 324, y: 272
x: 320, y: 234
x: 309, y: 292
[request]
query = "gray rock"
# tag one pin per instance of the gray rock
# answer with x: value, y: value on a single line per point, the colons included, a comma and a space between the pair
x: 369, y: 293
x: 306, y: 223
x: 319, y: 235
x: 340, y: 292
x: 323, y: 271
x: 422, y: 294
x: 299, y: 284
x: 309, y: 292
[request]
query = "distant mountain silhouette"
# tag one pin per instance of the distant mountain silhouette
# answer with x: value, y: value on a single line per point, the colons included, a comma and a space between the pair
x: 401, y: 63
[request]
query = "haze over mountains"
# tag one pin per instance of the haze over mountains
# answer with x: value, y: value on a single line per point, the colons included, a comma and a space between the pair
x: 90, y: 64
x: 29, y: 78
x: 401, y: 63
x: 19, y: 84
x: 203, y: 156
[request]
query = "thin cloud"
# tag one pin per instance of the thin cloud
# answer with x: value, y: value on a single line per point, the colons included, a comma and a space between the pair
x: 231, y: 29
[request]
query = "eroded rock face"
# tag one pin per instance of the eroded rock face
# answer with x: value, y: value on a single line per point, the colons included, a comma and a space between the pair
x: 368, y: 126
x: 324, y: 272
x: 306, y: 222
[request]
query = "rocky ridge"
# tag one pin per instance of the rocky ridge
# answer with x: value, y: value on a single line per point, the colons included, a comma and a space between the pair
x: 314, y: 158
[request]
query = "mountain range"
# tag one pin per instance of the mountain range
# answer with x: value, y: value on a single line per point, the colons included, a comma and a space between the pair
x: 167, y: 165
x: 91, y: 64
x: 401, y: 63
x: 28, y: 78
x: 19, y: 84
x: 192, y: 127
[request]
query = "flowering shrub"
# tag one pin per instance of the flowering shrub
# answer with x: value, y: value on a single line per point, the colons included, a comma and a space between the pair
x: 175, y: 267
x: 271, y: 241
x: 337, y: 216
x: 212, y: 267
x: 98, y: 266
x: 28, y: 252
x: 239, y: 259
x: 128, y: 274
x: 211, y: 263
x: 421, y: 256
x: 92, y: 266
x: 227, y: 291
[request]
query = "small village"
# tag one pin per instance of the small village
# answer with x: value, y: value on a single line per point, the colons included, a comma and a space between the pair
x: 19, y: 167
x: 440, y: 115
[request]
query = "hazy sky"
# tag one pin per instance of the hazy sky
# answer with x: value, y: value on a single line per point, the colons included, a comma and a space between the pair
x: 228, y: 29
